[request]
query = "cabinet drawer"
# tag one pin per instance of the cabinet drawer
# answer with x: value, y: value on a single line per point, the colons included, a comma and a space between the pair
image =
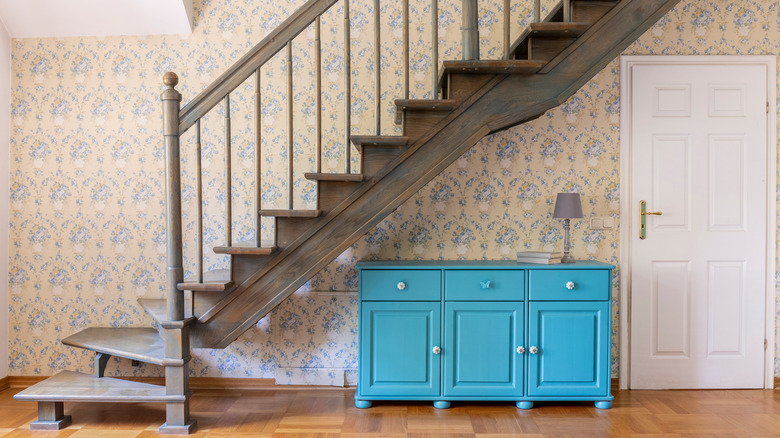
x: 484, y: 285
x: 400, y: 285
x: 551, y: 285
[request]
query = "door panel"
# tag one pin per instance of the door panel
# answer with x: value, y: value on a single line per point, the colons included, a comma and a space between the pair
x: 480, y: 354
x: 572, y: 339
x: 698, y: 154
x: 396, y: 345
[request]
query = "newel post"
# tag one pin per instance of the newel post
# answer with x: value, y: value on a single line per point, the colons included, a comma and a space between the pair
x: 470, y: 30
x: 171, y: 100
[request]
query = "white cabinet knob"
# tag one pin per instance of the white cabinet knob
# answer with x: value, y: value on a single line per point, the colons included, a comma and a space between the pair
x: 436, y: 350
x: 401, y: 285
x: 485, y: 284
x: 533, y: 350
x: 570, y: 285
x: 520, y: 350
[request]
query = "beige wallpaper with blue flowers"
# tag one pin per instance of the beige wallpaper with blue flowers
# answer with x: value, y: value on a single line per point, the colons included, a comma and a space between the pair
x: 86, y: 223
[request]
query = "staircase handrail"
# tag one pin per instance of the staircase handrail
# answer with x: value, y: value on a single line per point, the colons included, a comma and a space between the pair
x: 251, y: 61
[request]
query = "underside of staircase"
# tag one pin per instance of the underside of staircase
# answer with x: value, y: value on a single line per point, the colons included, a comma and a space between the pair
x: 546, y: 64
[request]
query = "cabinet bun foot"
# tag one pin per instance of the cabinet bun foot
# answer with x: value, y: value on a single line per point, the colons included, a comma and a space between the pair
x: 604, y: 404
x: 441, y: 404
x: 525, y: 404
x: 362, y: 404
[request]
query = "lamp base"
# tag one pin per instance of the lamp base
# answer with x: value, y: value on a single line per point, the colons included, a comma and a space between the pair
x: 567, y: 259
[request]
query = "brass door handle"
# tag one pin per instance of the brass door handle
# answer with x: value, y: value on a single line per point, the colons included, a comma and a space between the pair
x: 642, y: 221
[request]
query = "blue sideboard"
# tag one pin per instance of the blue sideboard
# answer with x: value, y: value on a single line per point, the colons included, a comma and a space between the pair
x: 484, y: 330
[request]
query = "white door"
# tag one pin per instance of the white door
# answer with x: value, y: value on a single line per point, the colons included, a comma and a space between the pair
x: 699, y: 156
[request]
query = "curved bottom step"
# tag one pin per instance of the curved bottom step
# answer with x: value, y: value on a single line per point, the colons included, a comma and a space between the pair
x: 79, y: 387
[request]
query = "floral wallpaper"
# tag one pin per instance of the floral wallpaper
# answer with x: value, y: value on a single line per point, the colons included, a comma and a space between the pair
x: 87, y: 221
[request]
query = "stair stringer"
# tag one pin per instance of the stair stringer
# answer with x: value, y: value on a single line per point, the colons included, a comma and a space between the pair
x: 504, y: 101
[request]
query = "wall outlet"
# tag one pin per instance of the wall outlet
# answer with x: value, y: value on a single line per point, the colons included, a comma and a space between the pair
x: 602, y: 223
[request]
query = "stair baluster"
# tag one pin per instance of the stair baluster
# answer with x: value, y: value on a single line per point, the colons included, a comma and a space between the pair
x: 290, y: 136
x: 377, y: 70
x: 347, y: 90
x: 228, y: 177
x: 318, y: 96
x: 507, y: 18
x: 435, y: 48
x: 405, y: 43
x: 537, y: 11
x: 258, y: 159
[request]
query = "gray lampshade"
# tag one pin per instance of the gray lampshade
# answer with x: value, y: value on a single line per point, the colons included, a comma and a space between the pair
x: 568, y: 205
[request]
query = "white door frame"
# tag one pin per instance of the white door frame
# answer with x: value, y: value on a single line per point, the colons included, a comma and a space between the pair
x: 626, y: 65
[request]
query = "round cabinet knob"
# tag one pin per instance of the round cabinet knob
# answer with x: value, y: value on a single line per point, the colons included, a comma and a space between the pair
x: 570, y: 285
x: 533, y: 350
x: 520, y: 350
x: 401, y: 285
x: 436, y: 350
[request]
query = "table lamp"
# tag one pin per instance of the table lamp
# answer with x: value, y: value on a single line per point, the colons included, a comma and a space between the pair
x: 567, y: 207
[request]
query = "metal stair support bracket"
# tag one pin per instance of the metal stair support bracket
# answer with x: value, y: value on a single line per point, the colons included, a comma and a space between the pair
x: 101, y: 360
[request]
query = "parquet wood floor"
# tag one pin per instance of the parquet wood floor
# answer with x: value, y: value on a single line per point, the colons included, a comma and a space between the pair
x: 331, y: 414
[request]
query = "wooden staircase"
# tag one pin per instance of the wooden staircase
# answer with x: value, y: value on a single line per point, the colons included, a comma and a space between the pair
x: 545, y: 65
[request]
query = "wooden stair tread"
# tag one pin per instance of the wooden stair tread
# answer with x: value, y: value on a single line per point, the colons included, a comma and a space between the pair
x: 350, y: 177
x: 484, y: 67
x: 247, y: 248
x: 291, y: 213
x: 557, y: 29
x: 426, y: 104
x: 429, y: 105
x: 139, y: 343
x: 493, y: 66
x: 379, y: 140
x: 156, y: 307
x: 80, y: 387
x: 217, y: 280
x: 386, y: 141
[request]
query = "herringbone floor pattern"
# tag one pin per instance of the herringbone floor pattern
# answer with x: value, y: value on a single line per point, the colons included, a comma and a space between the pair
x: 331, y: 413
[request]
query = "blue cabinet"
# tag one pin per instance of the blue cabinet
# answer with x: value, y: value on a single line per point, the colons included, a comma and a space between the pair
x: 448, y: 331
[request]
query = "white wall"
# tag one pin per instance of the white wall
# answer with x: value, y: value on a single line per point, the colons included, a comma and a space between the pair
x: 5, y: 135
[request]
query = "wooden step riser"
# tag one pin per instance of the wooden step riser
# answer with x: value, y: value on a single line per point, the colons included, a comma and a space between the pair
x: 375, y: 159
x: 589, y: 12
x: 207, y: 304
x: 417, y: 123
x: 332, y: 193
x: 288, y: 229
x: 543, y: 49
x: 461, y: 86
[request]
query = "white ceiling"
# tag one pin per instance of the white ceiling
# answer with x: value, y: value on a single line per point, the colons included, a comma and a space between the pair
x: 63, y: 18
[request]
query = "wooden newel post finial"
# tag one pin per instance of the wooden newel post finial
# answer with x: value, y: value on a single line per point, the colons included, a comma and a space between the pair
x: 170, y: 79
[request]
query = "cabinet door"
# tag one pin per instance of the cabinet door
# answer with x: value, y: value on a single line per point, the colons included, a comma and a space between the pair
x: 397, y: 343
x: 572, y: 341
x: 480, y: 349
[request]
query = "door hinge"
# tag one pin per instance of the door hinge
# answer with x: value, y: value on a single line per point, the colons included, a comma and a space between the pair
x: 767, y: 107
x: 765, y: 342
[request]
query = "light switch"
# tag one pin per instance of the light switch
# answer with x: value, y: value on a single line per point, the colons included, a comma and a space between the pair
x: 602, y: 223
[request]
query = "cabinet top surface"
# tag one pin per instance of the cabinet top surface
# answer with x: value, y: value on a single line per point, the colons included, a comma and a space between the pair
x: 478, y: 264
